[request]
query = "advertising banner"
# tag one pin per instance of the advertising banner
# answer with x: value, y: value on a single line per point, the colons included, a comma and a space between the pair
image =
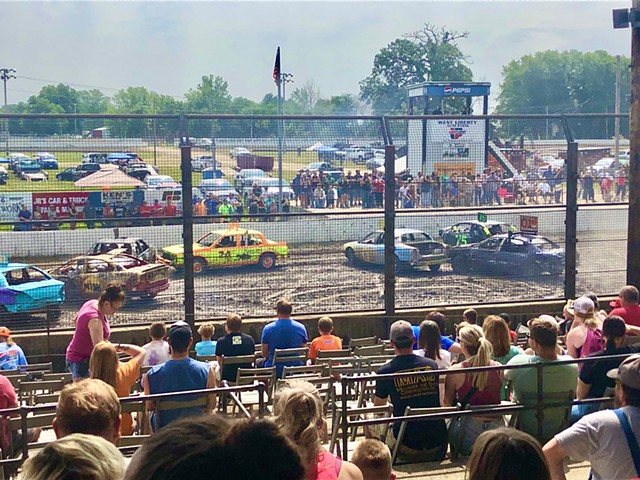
x: 10, y: 205
x: 60, y: 201
x: 123, y: 196
x: 455, y: 145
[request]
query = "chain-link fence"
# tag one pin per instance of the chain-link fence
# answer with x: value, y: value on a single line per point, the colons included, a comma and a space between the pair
x: 295, y: 206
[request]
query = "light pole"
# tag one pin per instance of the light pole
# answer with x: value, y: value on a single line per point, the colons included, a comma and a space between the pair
x: 6, y: 74
x: 286, y: 78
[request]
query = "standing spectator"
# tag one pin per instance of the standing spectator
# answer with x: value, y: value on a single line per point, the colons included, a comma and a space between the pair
x: 319, y: 197
x: 629, y: 309
x: 90, y: 215
x: 543, y: 340
x: 206, y: 346
x: 105, y: 365
x: 24, y: 217
x: 585, y: 336
x: 157, y: 210
x: 332, y: 193
x: 326, y: 340
x: 299, y: 413
x: 199, y: 209
x: 507, y: 454
x: 474, y: 389
x: 178, y: 374
x: 423, y: 440
x: 11, y: 355
x: 92, y: 327
x: 373, y: 458
x: 621, y: 184
x: 145, y: 210
x: 157, y: 349
x: 588, y: 192
x: 234, y: 344
x: 283, y: 333
x: 366, y: 191
x: 73, y: 215
x: 605, y: 186
x: 607, y: 439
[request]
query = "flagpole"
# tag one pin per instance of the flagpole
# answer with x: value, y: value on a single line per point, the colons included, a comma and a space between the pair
x: 278, y: 75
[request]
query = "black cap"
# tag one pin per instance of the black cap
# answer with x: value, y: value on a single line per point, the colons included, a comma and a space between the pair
x: 180, y: 331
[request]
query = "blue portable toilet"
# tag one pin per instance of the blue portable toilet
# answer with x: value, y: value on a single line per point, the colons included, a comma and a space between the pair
x: 210, y: 173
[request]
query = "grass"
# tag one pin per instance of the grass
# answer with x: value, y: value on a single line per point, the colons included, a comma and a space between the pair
x: 167, y: 159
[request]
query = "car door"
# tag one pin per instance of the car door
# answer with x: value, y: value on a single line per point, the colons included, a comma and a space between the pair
x: 224, y: 250
x: 371, y: 248
x: 483, y: 257
x: 512, y: 257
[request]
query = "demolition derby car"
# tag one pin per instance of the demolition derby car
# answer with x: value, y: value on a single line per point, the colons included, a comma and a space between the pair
x: 87, y: 275
x: 465, y: 233
x: 413, y: 248
x: 230, y: 247
x: 27, y: 289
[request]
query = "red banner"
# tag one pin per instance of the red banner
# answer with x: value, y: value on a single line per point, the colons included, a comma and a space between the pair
x: 60, y: 201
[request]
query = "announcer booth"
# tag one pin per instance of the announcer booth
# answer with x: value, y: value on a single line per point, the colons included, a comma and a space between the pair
x: 447, y: 145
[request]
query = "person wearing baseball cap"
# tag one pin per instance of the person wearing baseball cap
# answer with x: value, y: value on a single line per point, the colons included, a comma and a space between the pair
x: 585, y: 336
x: 607, y: 439
x: 11, y: 355
x: 178, y: 374
x: 422, y: 441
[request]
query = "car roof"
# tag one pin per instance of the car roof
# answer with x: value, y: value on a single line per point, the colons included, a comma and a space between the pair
x: 13, y: 266
x: 525, y: 237
x: 118, y: 240
x: 401, y: 231
x: 235, y: 229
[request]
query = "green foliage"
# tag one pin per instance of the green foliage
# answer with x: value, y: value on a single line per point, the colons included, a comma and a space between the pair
x: 430, y: 54
x: 210, y: 96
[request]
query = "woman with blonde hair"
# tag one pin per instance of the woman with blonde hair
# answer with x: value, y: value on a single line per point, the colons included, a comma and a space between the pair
x: 585, y: 336
x: 76, y: 457
x: 473, y: 389
x: 105, y: 365
x: 496, y: 330
x: 299, y: 414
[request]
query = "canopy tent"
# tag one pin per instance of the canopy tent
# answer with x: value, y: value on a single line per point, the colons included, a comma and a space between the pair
x: 325, y: 149
x: 314, y: 147
x: 400, y: 166
x: 111, y: 177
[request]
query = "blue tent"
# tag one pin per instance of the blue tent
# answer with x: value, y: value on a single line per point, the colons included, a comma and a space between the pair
x: 121, y: 156
x: 325, y: 149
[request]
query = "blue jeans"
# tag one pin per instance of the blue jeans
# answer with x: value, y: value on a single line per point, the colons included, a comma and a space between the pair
x: 79, y: 370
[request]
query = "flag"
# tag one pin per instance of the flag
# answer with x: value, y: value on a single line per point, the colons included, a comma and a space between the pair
x: 276, y: 68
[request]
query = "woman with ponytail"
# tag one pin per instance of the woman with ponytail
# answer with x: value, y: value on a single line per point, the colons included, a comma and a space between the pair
x: 298, y: 412
x: 473, y: 389
x: 593, y: 381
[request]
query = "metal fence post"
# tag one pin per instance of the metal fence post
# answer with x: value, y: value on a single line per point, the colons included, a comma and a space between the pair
x: 540, y: 399
x: 187, y: 230
x: 389, y: 229
x: 571, y: 222
x: 345, y: 420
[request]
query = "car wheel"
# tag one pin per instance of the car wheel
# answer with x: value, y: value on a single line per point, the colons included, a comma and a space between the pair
x: 149, y: 296
x: 351, y: 255
x: 267, y: 261
x: 199, y: 265
x: 460, y: 264
x: 434, y: 268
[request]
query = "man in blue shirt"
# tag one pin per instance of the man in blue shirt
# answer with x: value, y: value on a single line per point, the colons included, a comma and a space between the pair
x: 179, y: 374
x: 283, y: 333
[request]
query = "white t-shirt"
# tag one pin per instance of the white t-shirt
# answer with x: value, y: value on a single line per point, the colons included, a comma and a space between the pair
x: 157, y: 352
x: 443, y: 362
x: 599, y: 438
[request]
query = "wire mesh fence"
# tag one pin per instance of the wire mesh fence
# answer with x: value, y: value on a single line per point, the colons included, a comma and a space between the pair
x: 294, y: 206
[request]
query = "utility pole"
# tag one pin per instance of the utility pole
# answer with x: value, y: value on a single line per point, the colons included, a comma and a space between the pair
x: 6, y: 74
x: 286, y: 78
x: 633, y: 241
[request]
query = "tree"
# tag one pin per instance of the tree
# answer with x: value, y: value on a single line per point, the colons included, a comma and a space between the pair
x: 306, y: 96
x: 210, y: 96
x: 92, y: 101
x: 428, y: 54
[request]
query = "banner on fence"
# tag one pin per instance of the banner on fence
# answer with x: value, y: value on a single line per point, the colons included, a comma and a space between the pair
x: 60, y: 201
x: 10, y: 205
x: 122, y: 196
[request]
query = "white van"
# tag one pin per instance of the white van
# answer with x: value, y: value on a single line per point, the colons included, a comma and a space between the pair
x: 94, y: 158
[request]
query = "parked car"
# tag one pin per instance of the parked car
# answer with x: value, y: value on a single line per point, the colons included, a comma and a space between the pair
x: 122, y: 158
x: 93, y: 157
x: 204, y: 161
x: 139, y: 170
x: 4, y: 176
x: 220, y: 187
x: 509, y: 254
x: 72, y: 174
x: 239, y: 151
x: 358, y: 154
x: 413, y: 248
x: 463, y: 233
x: 27, y: 289
x: 608, y: 165
x: 272, y: 186
x: 66, y: 175
x: 31, y: 171
x: 160, y: 181
x: 14, y: 158
x: 129, y: 245
x: 232, y: 247
x: 47, y: 161
x: 87, y: 275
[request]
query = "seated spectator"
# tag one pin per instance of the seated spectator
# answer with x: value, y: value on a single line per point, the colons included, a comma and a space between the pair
x: 11, y: 355
x: 178, y: 374
x: 202, y: 448
x: 234, y: 344
x: 447, y: 344
x: 9, y: 399
x: 430, y: 345
x: 89, y: 406
x: 105, y: 365
x: 470, y: 316
x: 507, y: 454
x: 157, y: 349
x: 285, y: 332
x: 473, y: 389
x: 326, y: 340
x: 373, y: 458
x: 607, y: 438
x: 593, y: 381
x: 496, y: 331
x: 76, y: 457
x: 512, y: 324
x: 206, y: 346
x: 627, y: 306
x: 558, y: 379
x: 423, y: 440
x: 585, y: 336
x: 25, y: 218
x: 298, y: 412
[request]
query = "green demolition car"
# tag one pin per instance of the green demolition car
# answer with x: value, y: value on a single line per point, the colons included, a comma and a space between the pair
x: 232, y: 247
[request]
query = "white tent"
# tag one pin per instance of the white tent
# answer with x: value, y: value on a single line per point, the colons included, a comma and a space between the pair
x: 399, y: 167
x: 314, y: 147
x: 109, y: 178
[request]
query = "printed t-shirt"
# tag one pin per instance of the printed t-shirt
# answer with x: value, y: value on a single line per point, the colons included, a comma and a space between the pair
x: 324, y: 342
x: 157, y: 352
x: 595, y: 373
x: 126, y: 376
x: 81, y: 345
x: 234, y: 344
x: 420, y: 391
x: 11, y: 357
x: 630, y: 314
x: 283, y: 333
x: 206, y: 347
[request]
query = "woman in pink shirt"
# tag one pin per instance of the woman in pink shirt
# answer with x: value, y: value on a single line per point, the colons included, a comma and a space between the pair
x: 92, y: 326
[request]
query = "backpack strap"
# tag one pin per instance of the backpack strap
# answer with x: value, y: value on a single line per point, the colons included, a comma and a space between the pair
x: 631, y: 438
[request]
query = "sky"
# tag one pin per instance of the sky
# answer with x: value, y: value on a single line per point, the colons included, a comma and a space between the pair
x: 169, y: 46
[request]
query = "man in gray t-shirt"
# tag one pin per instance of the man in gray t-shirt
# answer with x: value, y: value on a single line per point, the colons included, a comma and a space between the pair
x: 599, y: 437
